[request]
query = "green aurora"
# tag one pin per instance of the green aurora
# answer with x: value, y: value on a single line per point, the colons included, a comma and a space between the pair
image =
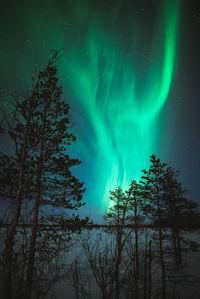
x: 118, y: 65
x: 122, y: 94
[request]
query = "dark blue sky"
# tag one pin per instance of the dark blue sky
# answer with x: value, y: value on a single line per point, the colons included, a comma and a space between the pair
x: 103, y: 35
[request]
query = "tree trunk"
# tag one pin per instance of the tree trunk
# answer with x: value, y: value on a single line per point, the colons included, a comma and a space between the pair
x: 28, y: 285
x: 174, y: 246
x: 136, y: 250
x: 145, y: 268
x: 149, y: 272
x: 179, y: 255
x: 162, y: 263
x: 118, y: 261
x: 76, y: 280
x: 9, y: 242
x: 31, y: 257
x: 117, y: 279
x: 136, y: 263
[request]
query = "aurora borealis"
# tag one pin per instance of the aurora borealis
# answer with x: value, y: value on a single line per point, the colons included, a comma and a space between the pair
x: 121, y: 103
x: 120, y: 71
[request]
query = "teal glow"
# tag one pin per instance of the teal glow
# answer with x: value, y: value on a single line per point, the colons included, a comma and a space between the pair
x: 121, y: 93
x: 117, y: 71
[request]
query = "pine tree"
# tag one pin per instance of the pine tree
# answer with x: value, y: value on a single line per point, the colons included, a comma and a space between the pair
x: 117, y: 216
x: 55, y: 186
x: 42, y: 138
x: 135, y: 195
x: 180, y: 213
x: 155, y: 207
x: 168, y: 208
x: 16, y: 172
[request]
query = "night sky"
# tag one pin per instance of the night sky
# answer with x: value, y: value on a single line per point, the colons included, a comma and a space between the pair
x: 131, y: 73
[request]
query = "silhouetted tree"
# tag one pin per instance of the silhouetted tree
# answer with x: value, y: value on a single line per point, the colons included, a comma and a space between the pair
x: 168, y: 209
x: 101, y: 257
x: 180, y: 212
x: 135, y: 195
x: 20, y: 134
x: 55, y: 186
x: 155, y: 206
x: 117, y: 216
x: 41, y: 135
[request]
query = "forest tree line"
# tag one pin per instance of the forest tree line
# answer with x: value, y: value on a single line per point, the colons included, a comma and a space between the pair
x: 38, y: 188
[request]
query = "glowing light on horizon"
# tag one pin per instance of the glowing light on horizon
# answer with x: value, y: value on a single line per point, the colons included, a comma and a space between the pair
x: 121, y: 89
